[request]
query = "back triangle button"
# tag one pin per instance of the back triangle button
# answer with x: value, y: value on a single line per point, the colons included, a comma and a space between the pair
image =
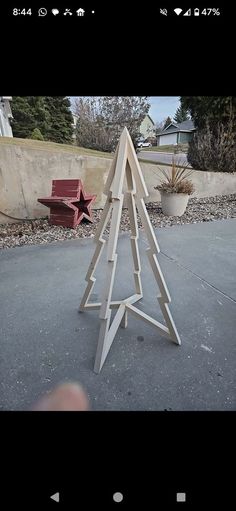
x: 56, y: 497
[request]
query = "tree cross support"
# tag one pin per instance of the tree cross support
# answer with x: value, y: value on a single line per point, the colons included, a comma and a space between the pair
x: 125, y: 163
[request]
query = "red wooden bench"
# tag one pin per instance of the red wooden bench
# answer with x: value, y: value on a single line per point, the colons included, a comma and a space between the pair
x: 69, y: 203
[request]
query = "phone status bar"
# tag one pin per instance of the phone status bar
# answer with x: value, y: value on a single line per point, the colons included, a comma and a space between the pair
x: 82, y: 12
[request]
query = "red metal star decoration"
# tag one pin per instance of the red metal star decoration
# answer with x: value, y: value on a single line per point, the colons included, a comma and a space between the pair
x: 69, y: 203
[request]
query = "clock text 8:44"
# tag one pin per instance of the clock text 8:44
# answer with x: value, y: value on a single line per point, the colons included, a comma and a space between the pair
x: 16, y: 12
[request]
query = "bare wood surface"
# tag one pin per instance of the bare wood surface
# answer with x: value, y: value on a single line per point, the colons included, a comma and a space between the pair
x: 125, y: 164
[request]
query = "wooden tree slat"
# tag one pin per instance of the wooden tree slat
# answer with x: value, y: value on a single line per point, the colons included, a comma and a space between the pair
x: 162, y: 328
x: 108, y: 286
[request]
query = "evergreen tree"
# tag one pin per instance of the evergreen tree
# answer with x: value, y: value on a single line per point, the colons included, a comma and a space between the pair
x: 50, y: 115
x: 167, y: 122
x: 61, y: 120
x: 36, y: 134
x: 29, y: 113
x: 213, y: 145
x: 40, y: 113
x: 23, y: 117
x: 212, y: 109
x: 213, y: 148
x: 181, y: 114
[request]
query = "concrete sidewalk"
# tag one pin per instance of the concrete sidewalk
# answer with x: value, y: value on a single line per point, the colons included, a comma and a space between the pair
x: 45, y: 341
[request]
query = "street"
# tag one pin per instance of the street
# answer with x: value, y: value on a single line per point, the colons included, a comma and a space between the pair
x: 161, y: 157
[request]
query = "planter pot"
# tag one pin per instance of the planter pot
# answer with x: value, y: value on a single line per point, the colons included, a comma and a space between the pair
x: 174, y: 204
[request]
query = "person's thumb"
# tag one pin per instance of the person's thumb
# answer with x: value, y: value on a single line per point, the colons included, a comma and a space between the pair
x: 65, y: 397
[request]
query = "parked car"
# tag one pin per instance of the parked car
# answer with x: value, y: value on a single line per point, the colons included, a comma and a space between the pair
x: 144, y: 144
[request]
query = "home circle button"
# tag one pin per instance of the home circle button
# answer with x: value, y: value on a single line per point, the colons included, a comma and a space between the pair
x: 118, y: 497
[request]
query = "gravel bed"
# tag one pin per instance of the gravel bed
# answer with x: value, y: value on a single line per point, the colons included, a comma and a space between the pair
x: 40, y: 231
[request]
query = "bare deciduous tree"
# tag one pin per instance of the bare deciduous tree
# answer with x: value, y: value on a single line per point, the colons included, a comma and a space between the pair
x: 102, y: 118
x: 159, y: 126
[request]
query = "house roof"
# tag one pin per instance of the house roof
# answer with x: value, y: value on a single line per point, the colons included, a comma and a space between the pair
x: 147, y: 115
x: 181, y: 126
x: 186, y: 125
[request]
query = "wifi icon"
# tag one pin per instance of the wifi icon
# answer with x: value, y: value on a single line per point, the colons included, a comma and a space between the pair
x: 178, y: 11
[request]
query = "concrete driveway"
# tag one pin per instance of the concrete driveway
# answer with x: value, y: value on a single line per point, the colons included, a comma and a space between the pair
x: 45, y: 341
x: 161, y: 157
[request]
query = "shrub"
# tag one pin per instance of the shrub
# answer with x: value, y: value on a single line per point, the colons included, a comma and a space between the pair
x: 36, y: 134
x: 176, y: 181
x: 213, y: 148
x: 185, y: 186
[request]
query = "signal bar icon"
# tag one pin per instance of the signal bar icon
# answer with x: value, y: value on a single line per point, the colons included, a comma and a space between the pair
x: 187, y: 13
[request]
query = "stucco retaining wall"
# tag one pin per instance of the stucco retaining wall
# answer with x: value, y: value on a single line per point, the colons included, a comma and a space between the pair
x: 26, y: 174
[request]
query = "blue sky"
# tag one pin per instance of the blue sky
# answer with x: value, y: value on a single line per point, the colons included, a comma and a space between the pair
x: 161, y: 107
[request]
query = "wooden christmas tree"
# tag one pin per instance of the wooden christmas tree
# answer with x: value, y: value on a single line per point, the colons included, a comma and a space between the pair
x: 125, y: 163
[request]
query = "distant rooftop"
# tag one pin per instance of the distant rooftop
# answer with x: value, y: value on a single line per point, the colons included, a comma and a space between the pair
x: 181, y: 126
x: 186, y: 125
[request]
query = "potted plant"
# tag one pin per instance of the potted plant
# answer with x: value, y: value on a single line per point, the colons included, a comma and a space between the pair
x: 175, y: 189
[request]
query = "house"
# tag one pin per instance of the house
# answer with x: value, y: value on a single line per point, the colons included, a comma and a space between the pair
x: 80, y: 12
x: 147, y: 128
x: 5, y: 116
x: 176, y: 133
x: 75, y: 119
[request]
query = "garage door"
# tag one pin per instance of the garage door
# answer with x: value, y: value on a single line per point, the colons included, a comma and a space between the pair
x: 168, y: 139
